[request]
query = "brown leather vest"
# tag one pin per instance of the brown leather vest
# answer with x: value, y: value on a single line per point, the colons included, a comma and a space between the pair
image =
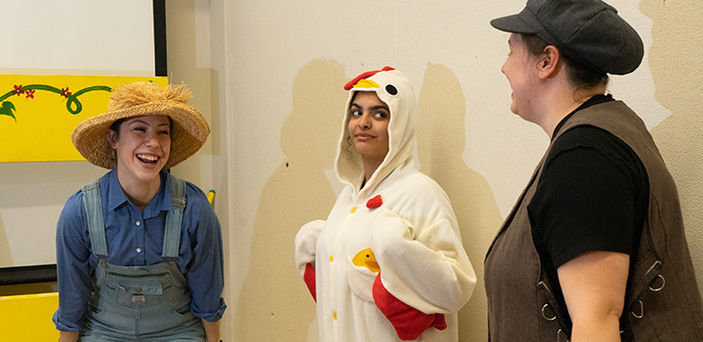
x: 663, y: 302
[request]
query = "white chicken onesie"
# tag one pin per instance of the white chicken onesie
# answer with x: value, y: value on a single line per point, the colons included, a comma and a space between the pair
x: 388, y: 263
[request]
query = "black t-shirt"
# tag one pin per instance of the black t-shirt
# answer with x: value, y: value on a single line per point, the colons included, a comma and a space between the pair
x: 592, y: 196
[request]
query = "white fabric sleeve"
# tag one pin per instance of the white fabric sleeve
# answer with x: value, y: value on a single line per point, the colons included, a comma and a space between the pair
x: 305, y: 243
x: 428, y: 269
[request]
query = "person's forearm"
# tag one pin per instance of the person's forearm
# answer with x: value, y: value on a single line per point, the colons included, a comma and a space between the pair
x: 68, y: 336
x: 605, y: 329
x: 212, y: 331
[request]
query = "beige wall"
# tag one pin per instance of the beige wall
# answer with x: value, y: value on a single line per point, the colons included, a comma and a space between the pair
x: 270, y: 76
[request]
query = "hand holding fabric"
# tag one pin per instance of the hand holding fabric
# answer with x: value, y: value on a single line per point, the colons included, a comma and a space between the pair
x: 408, y: 322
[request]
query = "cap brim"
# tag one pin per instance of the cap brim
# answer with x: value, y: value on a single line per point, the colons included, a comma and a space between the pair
x: 512, y: 23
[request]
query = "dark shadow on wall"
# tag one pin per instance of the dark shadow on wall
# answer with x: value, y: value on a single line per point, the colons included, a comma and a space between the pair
x: 676, y: 63
x: 274, y: 303
x: 441, y: 141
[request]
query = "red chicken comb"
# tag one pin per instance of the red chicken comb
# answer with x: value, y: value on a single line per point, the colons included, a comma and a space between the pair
x: 365, y: 75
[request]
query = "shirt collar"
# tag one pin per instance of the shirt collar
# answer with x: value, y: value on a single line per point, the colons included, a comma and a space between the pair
x: 161, y: 201
x: 594, y: 100
x: 115, y: 195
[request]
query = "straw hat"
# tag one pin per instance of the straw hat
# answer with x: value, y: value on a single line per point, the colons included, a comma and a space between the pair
x: 188, y: 129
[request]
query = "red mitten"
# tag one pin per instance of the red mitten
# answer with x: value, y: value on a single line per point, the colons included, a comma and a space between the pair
x: 309, y: 278
x: 408, y: 322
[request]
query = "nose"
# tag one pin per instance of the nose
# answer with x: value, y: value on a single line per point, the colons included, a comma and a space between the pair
x: 151, y: 139
x: 365, y: 121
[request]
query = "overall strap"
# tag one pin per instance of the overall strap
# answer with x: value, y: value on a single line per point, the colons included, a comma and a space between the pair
x: 174, y: 218
x: 94, y: 218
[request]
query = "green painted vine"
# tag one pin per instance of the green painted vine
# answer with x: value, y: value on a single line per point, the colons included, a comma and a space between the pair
x: 73, y: 105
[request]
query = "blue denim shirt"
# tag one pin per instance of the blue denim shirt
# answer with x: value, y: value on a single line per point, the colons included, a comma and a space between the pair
x: 136, y: 238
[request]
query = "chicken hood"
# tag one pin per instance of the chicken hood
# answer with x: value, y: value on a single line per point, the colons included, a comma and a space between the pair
x: 393, y: 88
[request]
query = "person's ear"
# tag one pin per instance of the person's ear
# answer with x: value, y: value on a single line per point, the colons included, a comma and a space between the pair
x: 112, y: 138
x: 549, y: 63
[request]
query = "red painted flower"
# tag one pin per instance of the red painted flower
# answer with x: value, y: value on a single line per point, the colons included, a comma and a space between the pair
x: 374, y: 202
x: 18, y: 90
x: 65, y: 93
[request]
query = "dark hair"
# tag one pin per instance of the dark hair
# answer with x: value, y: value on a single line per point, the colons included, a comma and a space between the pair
x: 581, y: 75
x: 116, y: 125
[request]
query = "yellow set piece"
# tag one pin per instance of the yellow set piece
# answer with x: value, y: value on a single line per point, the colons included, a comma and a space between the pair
x: 211, y: 197
x: 28, y: 317
x: 36, y: 121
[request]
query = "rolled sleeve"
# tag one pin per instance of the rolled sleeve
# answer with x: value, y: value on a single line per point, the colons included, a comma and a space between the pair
x: 73, y: 265
x: 206, y: 270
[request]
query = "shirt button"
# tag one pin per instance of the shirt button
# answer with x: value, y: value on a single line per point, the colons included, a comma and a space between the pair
x: 139, y: 250
x: 353, y: 210
x: 334, y: 316
x: 138, y: 223
x: 331, y: 258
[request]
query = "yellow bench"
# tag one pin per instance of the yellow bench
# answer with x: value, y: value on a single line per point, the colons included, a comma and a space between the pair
x: 28, y: 317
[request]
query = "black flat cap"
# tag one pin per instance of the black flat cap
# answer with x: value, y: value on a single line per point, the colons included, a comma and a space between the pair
x: 589, y: 31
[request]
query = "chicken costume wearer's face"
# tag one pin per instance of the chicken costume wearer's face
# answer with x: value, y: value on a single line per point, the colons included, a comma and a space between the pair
x: 368, y: 126
x: 392, y: 90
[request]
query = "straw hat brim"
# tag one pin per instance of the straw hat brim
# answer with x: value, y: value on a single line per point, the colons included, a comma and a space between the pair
x: 189, y: 130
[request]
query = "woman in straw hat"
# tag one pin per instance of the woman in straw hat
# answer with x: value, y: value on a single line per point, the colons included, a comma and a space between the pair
x: 139, y: 251
x: 594, y: 249
x: 388, y: 263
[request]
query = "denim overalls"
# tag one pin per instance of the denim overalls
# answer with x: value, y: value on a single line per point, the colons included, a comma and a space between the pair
x: 139, y: 303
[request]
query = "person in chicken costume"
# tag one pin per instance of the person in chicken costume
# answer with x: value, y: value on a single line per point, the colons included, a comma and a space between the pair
x: 388, y: 263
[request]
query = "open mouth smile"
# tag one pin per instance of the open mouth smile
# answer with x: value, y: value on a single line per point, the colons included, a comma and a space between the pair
x: 148, y: 158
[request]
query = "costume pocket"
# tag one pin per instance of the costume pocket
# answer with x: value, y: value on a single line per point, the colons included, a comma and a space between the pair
x: 361, y: 272
x: 145, y: 291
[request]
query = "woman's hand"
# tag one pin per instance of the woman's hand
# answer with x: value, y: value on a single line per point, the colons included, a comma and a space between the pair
x: 212, y: 331
x: 594, y: 285
x: 68, y: 336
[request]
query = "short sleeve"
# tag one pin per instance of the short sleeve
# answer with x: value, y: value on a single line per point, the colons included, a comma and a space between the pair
x: 587, y: 198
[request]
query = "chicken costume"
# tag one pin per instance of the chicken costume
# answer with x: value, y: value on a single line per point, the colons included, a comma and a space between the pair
x: 388, y: 263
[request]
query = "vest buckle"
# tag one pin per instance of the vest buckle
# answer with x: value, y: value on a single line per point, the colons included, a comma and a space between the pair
x: 550, y: 313
x: 660, y: 287
x: 641, y: 313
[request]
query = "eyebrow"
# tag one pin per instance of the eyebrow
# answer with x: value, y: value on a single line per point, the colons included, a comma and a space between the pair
x: 146, y: 123
x: 372, y: 108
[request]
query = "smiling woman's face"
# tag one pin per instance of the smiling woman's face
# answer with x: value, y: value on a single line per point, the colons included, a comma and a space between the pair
x: 368, y: 126
x: 142, y: 145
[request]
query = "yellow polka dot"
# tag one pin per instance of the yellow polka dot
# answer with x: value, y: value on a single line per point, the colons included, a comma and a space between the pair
x: 331, y: 258
x: 353, y: 210
x: 334, y: 316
